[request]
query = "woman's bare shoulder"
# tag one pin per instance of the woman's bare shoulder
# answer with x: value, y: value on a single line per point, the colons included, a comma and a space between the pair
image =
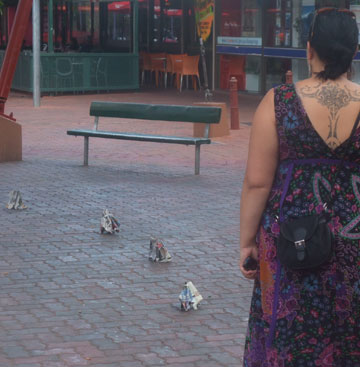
x: 353, y: 87
x: 268, y: 99
x: 265, y: 110
x: 303, y: 83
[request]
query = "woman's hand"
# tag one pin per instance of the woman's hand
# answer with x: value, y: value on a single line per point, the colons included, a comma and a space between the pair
x: 244, y: 254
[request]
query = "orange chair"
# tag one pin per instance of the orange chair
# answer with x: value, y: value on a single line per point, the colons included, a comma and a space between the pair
x: 176, y: 66
x: 158, y: 65
x: 190, y: 67
x: 145, y: 65
x: 232, y: 66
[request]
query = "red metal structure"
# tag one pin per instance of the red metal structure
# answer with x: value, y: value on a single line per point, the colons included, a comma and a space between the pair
x: 10, y: 131
x: 17, y: 34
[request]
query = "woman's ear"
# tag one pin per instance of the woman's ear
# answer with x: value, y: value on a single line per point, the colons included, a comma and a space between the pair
x: 309, y: 51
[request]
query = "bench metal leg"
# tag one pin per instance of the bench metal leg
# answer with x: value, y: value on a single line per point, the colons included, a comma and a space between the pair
x: 86, y: 150
x: 197, y: 159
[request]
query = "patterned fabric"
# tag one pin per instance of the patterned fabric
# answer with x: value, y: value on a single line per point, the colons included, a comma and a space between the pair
x: 308, y: 318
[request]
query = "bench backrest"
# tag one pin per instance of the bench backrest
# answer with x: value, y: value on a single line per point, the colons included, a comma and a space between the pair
x: 142, y: 111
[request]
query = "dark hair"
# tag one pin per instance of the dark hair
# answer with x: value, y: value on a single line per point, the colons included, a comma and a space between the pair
x: 334, y: 36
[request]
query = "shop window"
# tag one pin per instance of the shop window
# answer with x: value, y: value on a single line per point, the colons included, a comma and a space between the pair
x: 232, y: 66
x: 302, y: 17
x: 172, y: 21
x: 276, y: 71
x: 302, y: 14
x: 240, y: 23
x: 279, y: 23
x: 119, y: 25
x: 252, y: 73
x: 116, y: 26
x: 246, y: 69
x: 95, y: 25
x: 167, y: 26
x: 166, y: 23
x: 144, y: 36
x: 80, y: 26
x: 157, y: 23
x: 300, y: 69
x: 81, y: 17
x: 61, y: 25
x: 3, y: 30
x: 74, y: 28
x: 89, y: 26
x: 44, y: 25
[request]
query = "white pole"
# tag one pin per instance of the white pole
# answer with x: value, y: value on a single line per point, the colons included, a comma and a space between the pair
x: 36, y: 52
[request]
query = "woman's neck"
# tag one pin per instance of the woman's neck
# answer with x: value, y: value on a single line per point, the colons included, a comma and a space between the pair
x: 341, y: 78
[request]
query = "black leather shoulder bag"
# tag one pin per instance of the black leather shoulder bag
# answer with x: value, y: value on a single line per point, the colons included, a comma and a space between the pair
x: 307, y: 242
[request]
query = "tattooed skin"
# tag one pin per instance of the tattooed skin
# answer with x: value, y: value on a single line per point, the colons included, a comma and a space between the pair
x: 334, y: 97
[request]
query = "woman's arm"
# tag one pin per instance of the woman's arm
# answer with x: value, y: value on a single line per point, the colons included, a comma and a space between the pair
x: 260, y: 171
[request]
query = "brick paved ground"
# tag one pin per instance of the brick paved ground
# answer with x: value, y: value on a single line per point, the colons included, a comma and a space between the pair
x: 71, y: 297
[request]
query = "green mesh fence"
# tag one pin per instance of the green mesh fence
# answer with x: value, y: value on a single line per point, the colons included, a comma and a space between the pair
x: 78, y: 72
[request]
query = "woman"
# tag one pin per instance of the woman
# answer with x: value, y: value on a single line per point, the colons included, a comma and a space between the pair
x: 306, y: 318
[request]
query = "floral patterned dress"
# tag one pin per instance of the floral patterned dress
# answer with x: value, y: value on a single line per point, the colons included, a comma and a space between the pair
x: 308, y: 318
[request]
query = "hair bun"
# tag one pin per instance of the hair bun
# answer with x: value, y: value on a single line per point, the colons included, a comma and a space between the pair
x: 331, y: 71
x: 338, y: 62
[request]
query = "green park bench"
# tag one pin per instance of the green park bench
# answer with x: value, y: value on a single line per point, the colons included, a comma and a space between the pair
x: 194, y: 114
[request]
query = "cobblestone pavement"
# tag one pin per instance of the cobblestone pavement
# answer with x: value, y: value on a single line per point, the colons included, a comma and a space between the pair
x: 72, y: 297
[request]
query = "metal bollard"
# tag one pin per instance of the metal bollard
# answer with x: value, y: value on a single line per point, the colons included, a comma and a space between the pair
x: 289, y: 77
x: 234, y: 104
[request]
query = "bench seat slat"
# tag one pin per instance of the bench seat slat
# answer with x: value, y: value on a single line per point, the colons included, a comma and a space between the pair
x: 139, y: 137
x: 210, y: 115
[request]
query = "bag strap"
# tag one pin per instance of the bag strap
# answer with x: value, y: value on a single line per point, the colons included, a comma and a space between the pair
x: 341, y: 164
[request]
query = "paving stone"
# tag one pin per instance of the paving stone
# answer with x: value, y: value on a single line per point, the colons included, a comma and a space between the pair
x: 15, y: 352
x: 187, y: 359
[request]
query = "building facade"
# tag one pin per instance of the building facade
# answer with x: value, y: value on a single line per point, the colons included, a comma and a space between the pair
x: 261, y: 40
x: 90, y: 45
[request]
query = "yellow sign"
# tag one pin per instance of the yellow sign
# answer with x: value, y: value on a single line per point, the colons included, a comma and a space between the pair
x: 204, y: 16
